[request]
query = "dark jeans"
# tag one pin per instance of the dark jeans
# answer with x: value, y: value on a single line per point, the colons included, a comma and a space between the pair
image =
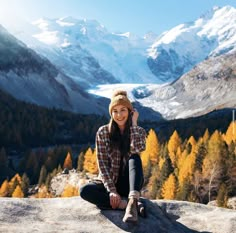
x: 130, y: 180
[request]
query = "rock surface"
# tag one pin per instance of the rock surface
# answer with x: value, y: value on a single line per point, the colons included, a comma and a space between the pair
x: 73, y: 215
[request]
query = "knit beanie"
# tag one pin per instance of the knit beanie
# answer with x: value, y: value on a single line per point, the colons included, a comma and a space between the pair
x: 119, y: 97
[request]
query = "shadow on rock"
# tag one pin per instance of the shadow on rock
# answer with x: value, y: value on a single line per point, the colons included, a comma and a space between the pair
x: 156, y: 221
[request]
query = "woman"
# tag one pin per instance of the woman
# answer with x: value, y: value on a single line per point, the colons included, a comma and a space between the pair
x: 118, y: 146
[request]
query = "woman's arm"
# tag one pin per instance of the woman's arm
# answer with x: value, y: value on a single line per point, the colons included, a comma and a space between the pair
x: 137, y: 135
x: 102, y: 159
x: 137, y: 139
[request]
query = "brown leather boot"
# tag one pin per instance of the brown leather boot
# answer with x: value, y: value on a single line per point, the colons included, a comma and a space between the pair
x: 131, y: 211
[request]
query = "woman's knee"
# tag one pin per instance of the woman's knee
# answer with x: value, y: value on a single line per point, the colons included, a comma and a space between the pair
x: 84, y: 191
x: 135, y: 160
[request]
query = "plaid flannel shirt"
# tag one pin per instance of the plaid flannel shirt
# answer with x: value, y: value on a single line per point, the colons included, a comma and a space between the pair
x: 109, y: 160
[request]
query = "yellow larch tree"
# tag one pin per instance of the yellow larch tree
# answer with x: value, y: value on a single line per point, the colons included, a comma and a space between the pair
x: 17, y: 177
x: 4, y: 190
x: 90, y: 161
x: 230, y: 134
x: 152, y: 149
x: 152, y: 184
x: 161, y: 162
x: 178, y: 156
x: 213, y: 163
x: 68, y: 162
x: 169, y: 188
x: 181, y: 158
x: 192, y: 142
x: 206, y: 136
x: 15, y: 180
x: 18, y: 192
x: 186, y: 169
x: 215, y: 146
x: 173, y: 144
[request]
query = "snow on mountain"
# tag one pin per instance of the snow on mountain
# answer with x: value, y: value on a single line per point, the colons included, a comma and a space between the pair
x: 210, y: 85
x: 84, y: 48
x: 99, y: 61
x: 72, y: 44
x: 178, y: 50
x: 29, y: 77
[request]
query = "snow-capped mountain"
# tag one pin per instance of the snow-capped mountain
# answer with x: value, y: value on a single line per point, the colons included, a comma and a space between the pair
x: 86, y: 50
x: 90, y: 54
x: 178, y: 50
x: 161, y: 73
x: 29, y: 77
x: 209, y: 86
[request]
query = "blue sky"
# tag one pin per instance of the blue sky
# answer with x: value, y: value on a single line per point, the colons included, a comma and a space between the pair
x: 135, y: 16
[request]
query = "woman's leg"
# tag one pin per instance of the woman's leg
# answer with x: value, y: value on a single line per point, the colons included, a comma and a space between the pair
x: 132, y: 178
x: 96, y: 194
x: 135, y: 185
x: 135, y: 174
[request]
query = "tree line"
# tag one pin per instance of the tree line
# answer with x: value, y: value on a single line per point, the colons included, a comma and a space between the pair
x: 25, y: 125
x: 193, y: 170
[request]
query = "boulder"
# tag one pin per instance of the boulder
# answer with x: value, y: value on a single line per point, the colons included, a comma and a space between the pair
x: 74, y: 215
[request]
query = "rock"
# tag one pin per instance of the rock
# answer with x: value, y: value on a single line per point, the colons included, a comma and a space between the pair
x: 73, y: 215
x: 231, y: 203
x: 73, y: 178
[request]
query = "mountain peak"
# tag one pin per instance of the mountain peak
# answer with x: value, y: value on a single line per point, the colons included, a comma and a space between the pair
x: 216, y: 11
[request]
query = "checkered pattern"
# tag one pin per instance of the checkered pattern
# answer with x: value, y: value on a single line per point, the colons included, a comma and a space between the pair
x: 109, y: 160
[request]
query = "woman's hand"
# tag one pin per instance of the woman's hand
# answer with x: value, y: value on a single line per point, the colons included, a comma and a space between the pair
x: 135, y: 116
x: 114, y: 200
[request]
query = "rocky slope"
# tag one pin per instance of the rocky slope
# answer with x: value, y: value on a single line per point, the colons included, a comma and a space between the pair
x: 75, y: 215
x: 27, y: 76
x: 208, y: 86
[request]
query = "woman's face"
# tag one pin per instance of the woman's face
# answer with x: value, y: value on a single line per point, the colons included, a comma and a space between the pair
x: 120, y: 115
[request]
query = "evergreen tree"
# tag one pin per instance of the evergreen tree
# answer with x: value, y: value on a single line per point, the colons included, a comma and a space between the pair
x: 25, y: 183
x: 59, y: 169
x: 54, y: 172
x: 200, y: 155
x: 42, y: 176
x: 48, y: 181
x: 166, y: 170
x: 32, y: 168
x: 3, y: 157
x: 80, y: 164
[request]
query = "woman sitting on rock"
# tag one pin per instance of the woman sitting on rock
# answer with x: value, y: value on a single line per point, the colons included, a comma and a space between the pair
x: 118, y: 147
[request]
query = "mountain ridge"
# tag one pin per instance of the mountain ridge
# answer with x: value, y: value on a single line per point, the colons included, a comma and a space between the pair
x: 85, y: 54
